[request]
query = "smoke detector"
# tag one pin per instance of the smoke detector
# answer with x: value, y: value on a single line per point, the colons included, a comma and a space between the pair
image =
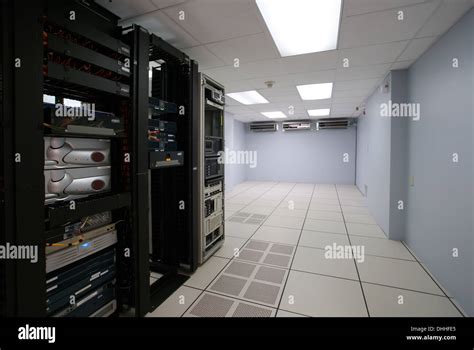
x: 269, y: 83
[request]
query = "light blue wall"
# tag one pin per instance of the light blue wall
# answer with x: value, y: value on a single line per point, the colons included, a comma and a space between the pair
x: 440, y: 204
x: 303, y: 156
x: 234, y: 141
x: 373, y: 157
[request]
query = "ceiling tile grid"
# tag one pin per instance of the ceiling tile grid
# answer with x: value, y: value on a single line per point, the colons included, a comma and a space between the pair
x: 372, y: 37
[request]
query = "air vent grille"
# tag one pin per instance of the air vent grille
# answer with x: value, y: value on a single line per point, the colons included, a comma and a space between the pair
x: 296, y: 125
x: 264, y: 126
x: 335, y: 123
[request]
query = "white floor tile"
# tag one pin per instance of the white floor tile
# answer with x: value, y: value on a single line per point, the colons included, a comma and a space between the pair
x: 283, y: 313
x: 360, y: 219
x: 365, y: 230
x: 396, y: 273
x: 353, y: 202
x: 324, y: 226
x: 316, y: 239
x: 392, y: 302
x: 289, y: 204
x: 232, y: 206
x: 330, y: 201
x: 206, y: 272
x: 236, y: 229
x: 177, y: 303
x: 382, y: 247
x: 322, y: 296
x: 266, y: 203
x: 325, y: 215
x: 326, y: 207
x: 228, y: 214
x: 277, y: 234
x: 314, y: 260
x: 299, y: 213
x: 258, y: 209
x: 230, y: 246
x: 284, y: 221
x: 347, y: 209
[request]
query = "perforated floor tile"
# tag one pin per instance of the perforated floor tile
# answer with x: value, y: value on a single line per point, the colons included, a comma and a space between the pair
x: 240, y: 269
x: 276, y: 259
x: 252, y: 282
x: 247, y: 310
x: 256, y: 245
x: 270, y: 274
x: 267, y: 253
x: 250, y: 255
x: 248, y: 218
x: 210, y: 305
x: 228, y: 285
x: 213, y: 305
x: 262, y: 292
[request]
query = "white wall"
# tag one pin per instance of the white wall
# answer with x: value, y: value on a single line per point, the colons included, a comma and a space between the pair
x: 373, y: 158
x: 303, y: 156
x: 234, y: 141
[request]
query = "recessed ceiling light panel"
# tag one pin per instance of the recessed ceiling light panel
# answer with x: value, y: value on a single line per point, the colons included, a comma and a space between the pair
x: 315, y: 91
x: 302, y: 26
x: 251, y: 97
x: 274, y: 115
x: 319, y: 112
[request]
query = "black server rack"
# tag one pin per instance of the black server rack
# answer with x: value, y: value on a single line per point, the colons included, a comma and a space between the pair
x: 70, y: 185
x: 172, y: 127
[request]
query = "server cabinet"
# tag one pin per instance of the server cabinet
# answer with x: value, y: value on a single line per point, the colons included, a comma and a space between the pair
x: 211, y: 172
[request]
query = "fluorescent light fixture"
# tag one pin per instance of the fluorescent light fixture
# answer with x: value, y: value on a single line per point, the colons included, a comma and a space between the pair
x: 315, y: 91
x: 251, y: 97
x: 72, y: 103
x: 49, y: 99
x: 302, y: 26
x: 274, y: 115
x: 319, y: 112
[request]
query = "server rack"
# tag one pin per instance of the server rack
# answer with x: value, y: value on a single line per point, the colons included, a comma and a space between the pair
x: 211, y: 173
x: 43, y: 44
x: 173, y: 187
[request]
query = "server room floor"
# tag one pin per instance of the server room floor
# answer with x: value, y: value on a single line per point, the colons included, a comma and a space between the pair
x: 274, y: 261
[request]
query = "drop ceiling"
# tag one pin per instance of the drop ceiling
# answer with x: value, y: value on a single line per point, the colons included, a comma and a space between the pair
x: 216, y: 32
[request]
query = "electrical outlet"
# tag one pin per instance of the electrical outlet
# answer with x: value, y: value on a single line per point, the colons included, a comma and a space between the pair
x: 412, y: 181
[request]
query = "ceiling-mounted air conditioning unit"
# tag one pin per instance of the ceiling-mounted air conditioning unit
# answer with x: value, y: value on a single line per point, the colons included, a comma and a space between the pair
x: 333, y: 123
x: 263, y: 126
x: 296, y: 125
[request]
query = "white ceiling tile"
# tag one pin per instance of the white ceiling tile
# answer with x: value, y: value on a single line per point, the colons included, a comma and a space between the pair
x: 238, y: 86
x: 357, y: 7
x: 205, y: 58
x: 161, y: 25
x: 447, y: 14
x: 249, y: 48
x: 368, y: 72
x: 280, y: 81
x: 354, y: 85
x: 317, y: 104
x: 402, y: 65
x: 352, y: 93
x: 126, y: 8
x: 383, y: 27
x: 325, y: 76
x: 226, y: 74
x: 278, y: 90
x: 373, y: 54
x: 211, y: 21
x: 261, y: 68
x: 310, y: 62
x: 416, y: 47
x: 354, y: 100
